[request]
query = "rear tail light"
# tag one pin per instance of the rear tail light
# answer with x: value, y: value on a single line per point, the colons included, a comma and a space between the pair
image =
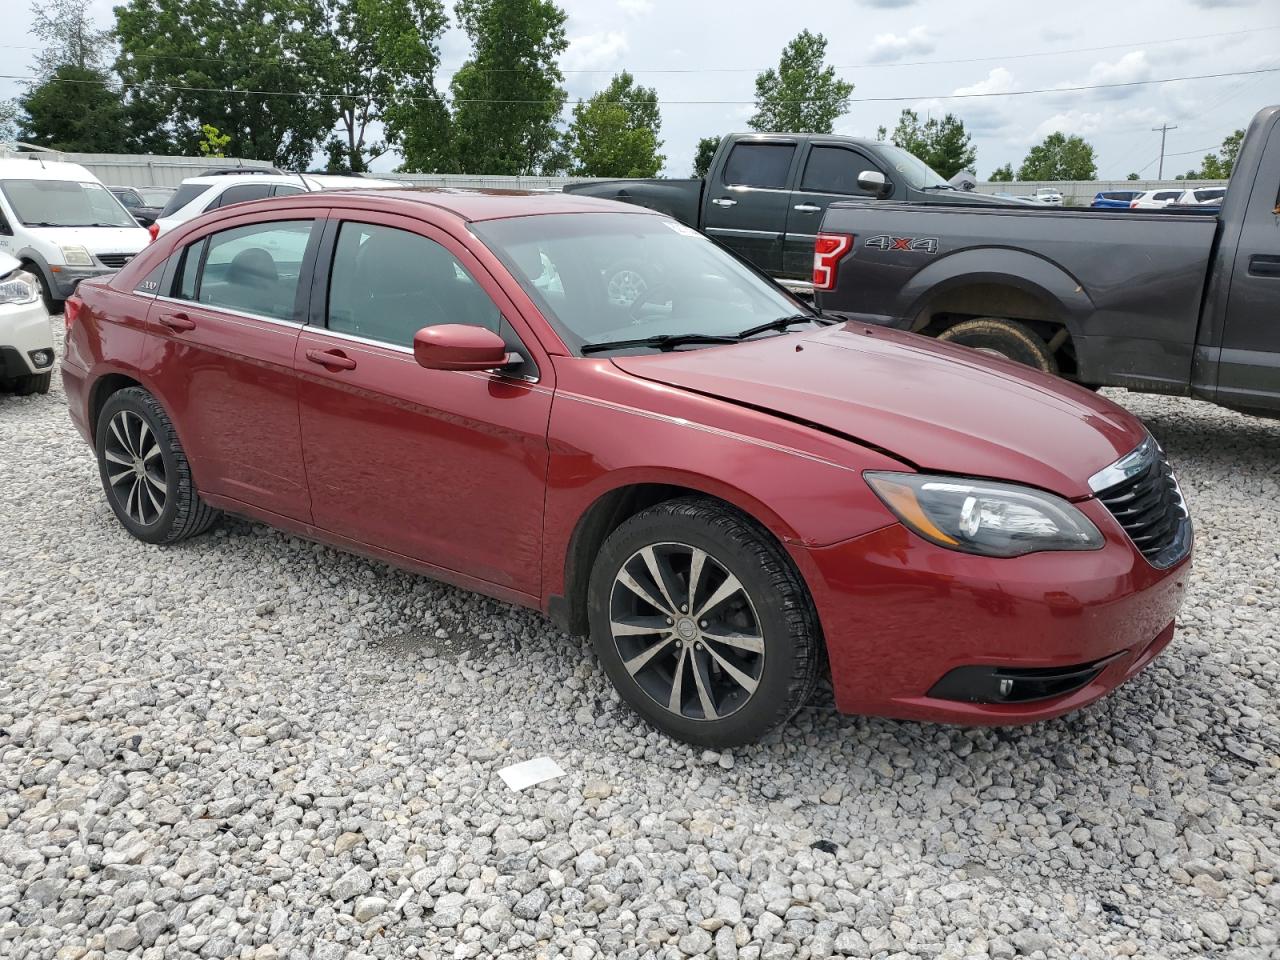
x: 154, y: 230
x: 828, y: 248
x: 1133, y: 204
x: 71, y: 311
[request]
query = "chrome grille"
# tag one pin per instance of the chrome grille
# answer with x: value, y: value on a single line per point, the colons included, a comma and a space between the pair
x: 1148, y: 504
x: 115, y: 260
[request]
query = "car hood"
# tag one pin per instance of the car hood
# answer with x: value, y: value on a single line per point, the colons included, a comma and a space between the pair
x: 936, y: 406
x: 96, y: 239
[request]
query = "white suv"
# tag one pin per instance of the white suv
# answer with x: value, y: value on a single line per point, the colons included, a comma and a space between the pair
x: 1154, y: 199
x: 1047, y: 195
x: 211, y: 191
x: 26, y: 342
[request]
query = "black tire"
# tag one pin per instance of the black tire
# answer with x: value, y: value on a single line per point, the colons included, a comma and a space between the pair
x: 775, y: 603
x: 1007, y: 338
x: 32, y: 383
x: 51, y: 303
x: 182, y: 513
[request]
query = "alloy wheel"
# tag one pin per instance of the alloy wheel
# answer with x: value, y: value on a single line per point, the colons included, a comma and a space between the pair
x: 686, y: 631
x: 625, y: 286
x: 135, y: 468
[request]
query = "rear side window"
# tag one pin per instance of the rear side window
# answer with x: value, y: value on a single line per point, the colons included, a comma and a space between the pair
x: 759, y: 164
x: 284, y: 189
x: 241, y: 193
x: 184, y: 195
x: 387, y: 284
x: 1168, y: 195
x: 834, y: 170
x: 252, y: 269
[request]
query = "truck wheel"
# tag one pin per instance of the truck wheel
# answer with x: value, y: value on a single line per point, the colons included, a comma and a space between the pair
x: 702, y: 623
x: 1003, y: 338
x: 51, y: 303
x: 32, y: 383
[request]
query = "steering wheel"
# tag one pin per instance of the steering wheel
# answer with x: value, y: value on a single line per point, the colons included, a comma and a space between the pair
x: 647, y: 295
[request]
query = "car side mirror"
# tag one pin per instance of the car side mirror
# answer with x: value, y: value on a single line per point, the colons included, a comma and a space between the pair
x: 460, y: 346
x: 874, y: 182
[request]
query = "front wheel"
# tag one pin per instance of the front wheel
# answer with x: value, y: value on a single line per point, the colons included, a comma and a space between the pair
x: 703, y: 624
x: 1010, y: 339
x: 145, y: 472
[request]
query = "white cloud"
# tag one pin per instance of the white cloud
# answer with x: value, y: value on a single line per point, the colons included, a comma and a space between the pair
x: 1088, y: 123
x: 998, y: 80
x: 1213, y: 4
x: 1130, y: 68
x: 595, y: 51
x: 888, y: 47
x: 635, y: 8
x: 888, y: 4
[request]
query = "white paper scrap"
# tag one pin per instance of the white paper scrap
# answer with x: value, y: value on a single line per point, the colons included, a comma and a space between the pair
x: 527, y: 773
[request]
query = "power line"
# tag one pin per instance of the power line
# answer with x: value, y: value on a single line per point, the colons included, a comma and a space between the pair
x: 725, y: 103
x: 695, y: 70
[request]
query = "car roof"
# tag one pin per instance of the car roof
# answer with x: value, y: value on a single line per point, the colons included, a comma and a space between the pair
x: 233, y: 178
x: 30, y: 168
x: 472, y: 205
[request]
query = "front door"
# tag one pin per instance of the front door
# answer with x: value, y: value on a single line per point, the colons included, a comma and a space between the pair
x: 1249, y: 366
x: 830, y: 173
x: 444, y: 467
x: 227, y: 329
x: 745, y: 205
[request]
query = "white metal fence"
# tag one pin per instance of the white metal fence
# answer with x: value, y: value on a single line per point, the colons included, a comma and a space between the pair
x: 143, y: 170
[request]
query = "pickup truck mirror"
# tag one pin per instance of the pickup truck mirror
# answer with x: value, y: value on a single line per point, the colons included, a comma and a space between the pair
x: 874, y: 182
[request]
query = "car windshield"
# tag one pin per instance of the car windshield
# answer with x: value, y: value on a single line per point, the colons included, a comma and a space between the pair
x: 155, y: 196
x: 910, y: 168
x: 606, y: 277
x: 65, y: 203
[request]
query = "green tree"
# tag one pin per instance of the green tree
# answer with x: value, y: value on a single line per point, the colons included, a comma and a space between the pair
x: 615, y: 133
x: 1219, y: 166
x: 1059, y: 157
x: 381, y: 61
x: 68, y: 37
x: 508, y: 95
x: 1002, y: 174
x: 188, y: 62
x: 74, y: 110
x: 1132, y: 176
x: 943, y: 144
x: 707, y: 148
x: 802, y: 95
x: 8, y: 121
x: 212, y: 143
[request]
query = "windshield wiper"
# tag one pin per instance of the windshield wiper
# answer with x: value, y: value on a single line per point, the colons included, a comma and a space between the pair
x: 666, y: 341
x: 780, y: 324
x: 938, y: 186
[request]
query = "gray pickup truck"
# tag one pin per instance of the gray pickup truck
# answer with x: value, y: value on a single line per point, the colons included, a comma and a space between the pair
x: 1157, y: 301
x: 765, y: 193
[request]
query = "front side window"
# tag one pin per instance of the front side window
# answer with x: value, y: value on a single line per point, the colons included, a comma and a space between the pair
x: 252, y: 269
x: 65, y: 203
x: 1169, y: 195
x: 129, y: 198
x: 182, y: 196
x: 835, y: 170
x: 387, y: 284
x: 241, y: 193
x: 759, y: 164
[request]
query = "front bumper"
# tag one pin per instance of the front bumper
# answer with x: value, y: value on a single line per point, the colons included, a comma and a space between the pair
x: 25, y: 340
x: 64, y: 280
x: 900, y: 614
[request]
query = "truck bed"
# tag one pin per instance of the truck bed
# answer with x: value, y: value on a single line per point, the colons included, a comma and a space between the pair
x: 681, y: 199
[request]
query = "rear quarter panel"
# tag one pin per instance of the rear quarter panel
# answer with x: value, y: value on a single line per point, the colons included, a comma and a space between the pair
x: 1127, y: 287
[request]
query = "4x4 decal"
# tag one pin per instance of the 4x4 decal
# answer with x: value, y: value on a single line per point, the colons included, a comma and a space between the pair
x: 918, y: 244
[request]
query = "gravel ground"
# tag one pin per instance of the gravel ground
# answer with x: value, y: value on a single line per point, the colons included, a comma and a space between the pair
x: 251, y: 746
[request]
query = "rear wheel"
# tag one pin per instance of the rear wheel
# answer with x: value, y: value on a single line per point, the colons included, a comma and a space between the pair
x: 702, y: 623
x: 145, y: 472
x: 1003, y: 338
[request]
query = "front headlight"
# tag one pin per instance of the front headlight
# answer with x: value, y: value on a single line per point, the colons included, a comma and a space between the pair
x: 76, y: 256
x: 984, y: 517
x: 19, y: 287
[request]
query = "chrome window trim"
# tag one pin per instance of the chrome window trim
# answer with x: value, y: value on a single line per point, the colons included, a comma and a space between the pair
x: 395, y: 347
x: 198, y: 305
x: 1130, y: 465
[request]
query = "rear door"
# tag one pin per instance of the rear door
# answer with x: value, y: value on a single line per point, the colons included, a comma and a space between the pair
x: 746, y: 207
x: 228, y: 326
x: 830, y: 173
x: 1249, y: 366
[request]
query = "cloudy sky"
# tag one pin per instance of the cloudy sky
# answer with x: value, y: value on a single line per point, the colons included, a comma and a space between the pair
x: 923, y: 51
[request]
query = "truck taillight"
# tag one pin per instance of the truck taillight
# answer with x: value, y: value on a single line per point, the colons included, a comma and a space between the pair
x: 154, y: 230
x: 828, y: 248
x: 71, y: 311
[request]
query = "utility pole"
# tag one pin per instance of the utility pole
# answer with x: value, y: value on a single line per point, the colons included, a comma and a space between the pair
x: 1163, y: 128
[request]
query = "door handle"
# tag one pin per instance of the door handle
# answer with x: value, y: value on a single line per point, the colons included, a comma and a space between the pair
x: 807, y: 208
x: 725, y: 202
x: 1263, y: 266
x: 334, y: 359
x: 178, y: 322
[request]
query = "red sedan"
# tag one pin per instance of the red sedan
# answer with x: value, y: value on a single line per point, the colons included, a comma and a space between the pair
x: 588, y: 409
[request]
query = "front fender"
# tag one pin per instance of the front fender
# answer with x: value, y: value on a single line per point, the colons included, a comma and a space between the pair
x: 1015, y: 269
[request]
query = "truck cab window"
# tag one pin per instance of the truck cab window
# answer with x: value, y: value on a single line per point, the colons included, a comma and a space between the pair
x: 835, y: 170
x: 759, y: 165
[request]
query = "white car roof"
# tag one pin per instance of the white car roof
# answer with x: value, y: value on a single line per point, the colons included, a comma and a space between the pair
x: 24, y: 168
x: 322, y: 181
